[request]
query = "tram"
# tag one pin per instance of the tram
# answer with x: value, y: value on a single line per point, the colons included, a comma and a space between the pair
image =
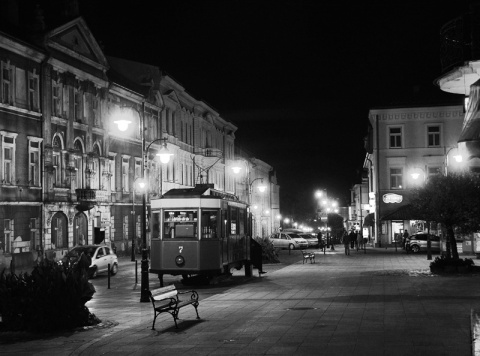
x: 199, y: 231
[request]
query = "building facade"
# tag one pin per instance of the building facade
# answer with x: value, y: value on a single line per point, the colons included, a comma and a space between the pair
x: 405, y: 146
x: 68, y: 175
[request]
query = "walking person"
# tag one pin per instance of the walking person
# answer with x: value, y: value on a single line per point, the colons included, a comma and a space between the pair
x: 346, y: 243
x: 352, y: 237
x: 359, y: 240
x: 320, y: 240
x: 404, y: 239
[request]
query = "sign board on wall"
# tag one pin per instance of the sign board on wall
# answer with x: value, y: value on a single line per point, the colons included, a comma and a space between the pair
x: 392, y: 198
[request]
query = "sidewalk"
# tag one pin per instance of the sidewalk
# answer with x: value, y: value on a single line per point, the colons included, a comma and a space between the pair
x: 384, y: 302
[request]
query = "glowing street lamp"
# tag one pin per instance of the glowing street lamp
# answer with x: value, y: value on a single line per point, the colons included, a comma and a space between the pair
x: 122, y: 122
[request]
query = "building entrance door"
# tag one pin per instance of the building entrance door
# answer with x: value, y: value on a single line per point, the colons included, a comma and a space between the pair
x: 80, y: 230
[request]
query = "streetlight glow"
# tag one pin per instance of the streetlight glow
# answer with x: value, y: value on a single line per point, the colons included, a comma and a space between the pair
x: 122, y: 124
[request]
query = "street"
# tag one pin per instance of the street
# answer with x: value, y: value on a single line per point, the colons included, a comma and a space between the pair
x: 379, y: 303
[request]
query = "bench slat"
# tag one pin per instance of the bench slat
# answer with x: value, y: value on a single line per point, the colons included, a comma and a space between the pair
x: 163, y: 290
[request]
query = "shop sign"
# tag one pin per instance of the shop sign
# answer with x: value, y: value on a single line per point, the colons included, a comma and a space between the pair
x: 392, y: 198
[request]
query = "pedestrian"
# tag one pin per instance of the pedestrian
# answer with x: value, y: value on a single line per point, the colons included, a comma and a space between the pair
x: 320, y: 240
x: 404, y: 239
x: 352, y: 237
x: 359, y: 241
x: 346, y: 243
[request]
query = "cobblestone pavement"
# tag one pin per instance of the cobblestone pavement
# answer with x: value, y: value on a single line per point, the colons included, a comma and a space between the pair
x: 382, y: 302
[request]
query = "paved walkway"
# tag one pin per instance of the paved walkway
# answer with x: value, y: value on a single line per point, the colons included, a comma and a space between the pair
x: 379, y: 303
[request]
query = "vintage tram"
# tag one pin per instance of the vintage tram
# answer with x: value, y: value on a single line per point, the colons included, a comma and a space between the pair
x: 199, y: 232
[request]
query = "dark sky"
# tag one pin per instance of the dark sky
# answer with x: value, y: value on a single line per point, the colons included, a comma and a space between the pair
x: 296, y: 77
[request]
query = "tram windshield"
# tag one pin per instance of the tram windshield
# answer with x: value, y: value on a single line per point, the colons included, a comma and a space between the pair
x: 180, y: 224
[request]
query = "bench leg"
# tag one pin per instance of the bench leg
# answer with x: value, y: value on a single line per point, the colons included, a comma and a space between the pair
x: 155, y: 318
x: 196, y: 311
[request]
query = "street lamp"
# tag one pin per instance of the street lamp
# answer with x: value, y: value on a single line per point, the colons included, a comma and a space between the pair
x: 458, y: 158
x: 122, y: 121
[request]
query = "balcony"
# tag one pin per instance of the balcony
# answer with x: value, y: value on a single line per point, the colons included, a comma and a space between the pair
x: 88, y: 198
x: 209, y: 155
x: 460, y: 53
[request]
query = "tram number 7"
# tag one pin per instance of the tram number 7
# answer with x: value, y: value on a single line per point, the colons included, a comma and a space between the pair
x: 180, y: 249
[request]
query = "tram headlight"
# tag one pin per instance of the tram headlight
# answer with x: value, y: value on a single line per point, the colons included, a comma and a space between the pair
x: 179, y: 261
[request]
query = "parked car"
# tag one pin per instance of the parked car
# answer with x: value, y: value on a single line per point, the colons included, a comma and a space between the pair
x: 418, y: 242
x: 101, y: 256
x: 311, y: 239
x: 288, y: 240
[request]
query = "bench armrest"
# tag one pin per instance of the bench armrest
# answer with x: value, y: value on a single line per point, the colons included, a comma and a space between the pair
x: 193, y: 294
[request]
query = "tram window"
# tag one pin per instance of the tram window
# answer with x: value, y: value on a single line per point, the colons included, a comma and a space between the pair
x: 180, y: 223
x: 241, y: 220
x: 233, y: 221
x: 210, y: 224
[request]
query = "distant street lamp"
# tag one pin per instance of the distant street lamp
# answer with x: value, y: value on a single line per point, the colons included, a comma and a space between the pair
x: 327, y: 206
x: 122, y: 121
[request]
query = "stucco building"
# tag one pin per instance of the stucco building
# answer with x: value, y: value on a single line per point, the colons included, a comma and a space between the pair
x: 405, y: 146
x: 68, y: 175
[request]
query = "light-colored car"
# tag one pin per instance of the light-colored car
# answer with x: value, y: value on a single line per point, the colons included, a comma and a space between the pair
x: 418, y: 242
x: 288, y: 240
x: 311, y: 239
x: 101, y: 256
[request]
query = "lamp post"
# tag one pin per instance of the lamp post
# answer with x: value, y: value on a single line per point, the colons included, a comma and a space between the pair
x: 141, y: 185
x: 164, y: 155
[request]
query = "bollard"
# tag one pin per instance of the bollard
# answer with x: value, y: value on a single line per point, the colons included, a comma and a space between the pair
x: 109, y: 276
x: 136, y: 272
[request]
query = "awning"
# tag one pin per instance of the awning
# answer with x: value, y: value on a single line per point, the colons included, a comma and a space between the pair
x: 405, y: 212
x: 369, y: 220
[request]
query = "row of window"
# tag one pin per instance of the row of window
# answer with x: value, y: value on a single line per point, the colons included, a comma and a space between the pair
x: 19, y: 87
x: 397, y: 176
x: 396, y: 136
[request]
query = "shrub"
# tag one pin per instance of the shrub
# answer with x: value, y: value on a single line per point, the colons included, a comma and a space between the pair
x: 52, y: 297
x: 269, y: 254
x: 441, y: 262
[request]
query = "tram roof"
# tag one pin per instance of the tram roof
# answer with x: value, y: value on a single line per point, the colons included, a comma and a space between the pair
x: 199, y: 191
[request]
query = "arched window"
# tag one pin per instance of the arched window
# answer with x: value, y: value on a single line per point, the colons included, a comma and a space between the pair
x: 59, y: 231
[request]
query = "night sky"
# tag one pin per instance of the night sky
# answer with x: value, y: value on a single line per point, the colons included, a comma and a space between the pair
x: 297, y: 77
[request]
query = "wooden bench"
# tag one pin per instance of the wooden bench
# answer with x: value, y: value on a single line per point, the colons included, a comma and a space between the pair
x: 166, y: 300
x: 308, y: 256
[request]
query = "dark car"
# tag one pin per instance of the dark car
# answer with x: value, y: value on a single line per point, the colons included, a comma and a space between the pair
x: 100, y: 256
x: 418, y: 242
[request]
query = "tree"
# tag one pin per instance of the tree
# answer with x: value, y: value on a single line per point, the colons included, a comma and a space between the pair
x: 453, y: 201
